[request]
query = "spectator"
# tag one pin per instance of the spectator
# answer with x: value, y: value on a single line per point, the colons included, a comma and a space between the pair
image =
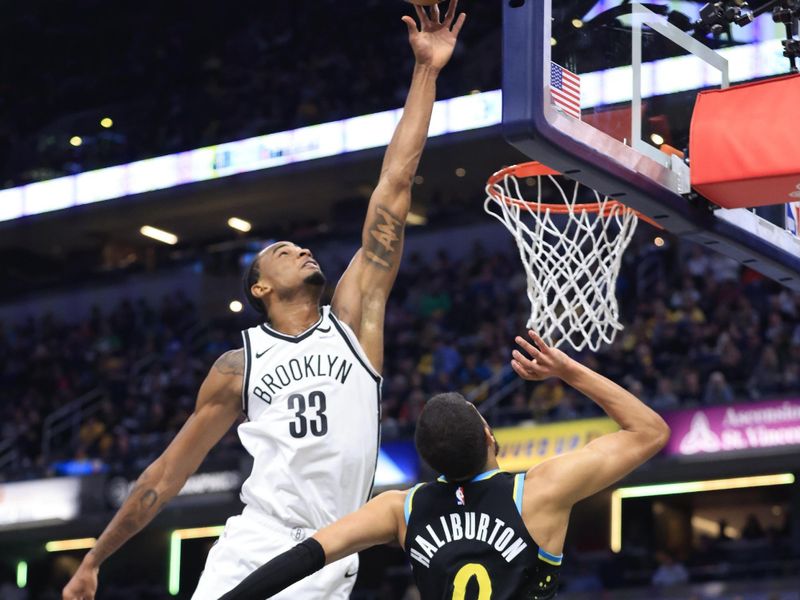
x: 669, y: 572
x: 546, y: 397
x: 767, y: 375
x: 752, y: 529
x: 664, y: 398
x: 717, y: 390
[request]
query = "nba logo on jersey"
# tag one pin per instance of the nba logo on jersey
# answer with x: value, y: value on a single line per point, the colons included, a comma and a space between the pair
x: 460, y: 500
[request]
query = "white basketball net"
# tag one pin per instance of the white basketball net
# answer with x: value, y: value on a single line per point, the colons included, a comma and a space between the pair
x: 571, y: 261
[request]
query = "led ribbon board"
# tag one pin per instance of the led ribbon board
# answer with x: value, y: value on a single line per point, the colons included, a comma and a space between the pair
x: 463, y: 113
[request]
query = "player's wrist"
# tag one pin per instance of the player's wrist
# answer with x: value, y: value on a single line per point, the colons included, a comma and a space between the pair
x: 427, y: 69
x: 91, y: 561
x: 570, y: 370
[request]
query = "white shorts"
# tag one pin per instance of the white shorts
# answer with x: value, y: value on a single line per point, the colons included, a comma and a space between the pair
x: 250, y: 540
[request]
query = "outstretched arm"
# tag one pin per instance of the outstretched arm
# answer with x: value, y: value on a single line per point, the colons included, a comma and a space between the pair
x: 576, y: 475
x: 377, y: 522
x: 217, y: 408
x: 360, y: 298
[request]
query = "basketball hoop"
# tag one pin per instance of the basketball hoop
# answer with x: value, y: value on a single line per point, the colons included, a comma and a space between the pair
x: 571, y: 252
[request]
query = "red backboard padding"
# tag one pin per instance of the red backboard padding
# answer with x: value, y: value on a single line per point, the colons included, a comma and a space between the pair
x: 744, y: 143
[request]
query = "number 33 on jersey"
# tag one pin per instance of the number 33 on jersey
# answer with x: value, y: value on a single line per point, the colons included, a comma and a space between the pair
x: 312, y: 403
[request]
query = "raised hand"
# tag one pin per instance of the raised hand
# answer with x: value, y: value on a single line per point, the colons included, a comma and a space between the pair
x: 544, y: 361
x: 433, y: 45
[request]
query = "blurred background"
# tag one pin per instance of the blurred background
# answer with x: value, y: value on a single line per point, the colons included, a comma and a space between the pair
x: 225, y: 127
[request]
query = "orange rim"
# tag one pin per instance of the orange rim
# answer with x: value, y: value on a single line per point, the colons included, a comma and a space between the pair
x: 537, y: 169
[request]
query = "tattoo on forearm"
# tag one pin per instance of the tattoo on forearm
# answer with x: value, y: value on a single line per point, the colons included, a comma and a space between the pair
x: 231, y: 363
x: 139, y: 509
x: 386, y: 233
x: 148, y: 499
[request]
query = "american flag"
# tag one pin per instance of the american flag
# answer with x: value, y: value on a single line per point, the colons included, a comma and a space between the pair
x: 565, y: 87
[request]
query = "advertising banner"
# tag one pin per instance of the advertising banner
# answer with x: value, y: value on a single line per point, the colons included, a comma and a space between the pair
x: 38, y: 502
x: 524, y: 447
x: 734, y: 427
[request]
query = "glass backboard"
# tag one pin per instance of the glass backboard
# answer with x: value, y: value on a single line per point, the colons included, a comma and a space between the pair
x: 604, y: 90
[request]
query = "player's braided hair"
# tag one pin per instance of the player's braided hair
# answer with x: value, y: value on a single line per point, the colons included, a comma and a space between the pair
x: 251, y: 275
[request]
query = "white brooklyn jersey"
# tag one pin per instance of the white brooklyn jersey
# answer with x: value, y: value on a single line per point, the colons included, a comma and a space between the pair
x: 313, y: 408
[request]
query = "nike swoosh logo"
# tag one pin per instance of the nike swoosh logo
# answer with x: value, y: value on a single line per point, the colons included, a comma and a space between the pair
x: 349, y: 575
x: 321, y: 330
x: 260, y: 354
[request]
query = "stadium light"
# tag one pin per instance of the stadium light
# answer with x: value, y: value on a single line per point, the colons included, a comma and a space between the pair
x: 577, y: 23
x: 236, y: 306
x: 22, y: 574
x: 159, y: 234
x: 415, y: 219
x: 175, y: 540
x: 711, y: 528
x: 76, y: 140
x: 65, y: 545
x: 656, y: 139
x: 460, y: 172
x: 687, y: 487
x: 240, y: 224
x: 106, y: 122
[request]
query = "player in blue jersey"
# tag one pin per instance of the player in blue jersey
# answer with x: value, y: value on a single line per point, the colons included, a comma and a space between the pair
x: 478, y: 532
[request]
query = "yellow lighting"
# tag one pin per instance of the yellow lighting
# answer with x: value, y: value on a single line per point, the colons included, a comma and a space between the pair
x: 106, y: 122
x: 240, y: 224
x: 656, y: 139
x: 688, y: 487
x: 76, y: 140
x: 711, y: 528
x: 174, y: 569
x: 577, y: 23
x: 199, y: 532
x: 475, y: 91
x: 553, y: 41
x: 236, y: 306
x: 460, y: 172
x: 659, y: 241
x: 416, y: 219
x: 64, y: 545
x: 159, y: 234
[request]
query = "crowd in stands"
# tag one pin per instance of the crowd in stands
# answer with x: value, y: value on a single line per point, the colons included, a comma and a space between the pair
x: 179, y: 76
x: 705, y: 332
x: 721, y: 335
x: 748, y: 551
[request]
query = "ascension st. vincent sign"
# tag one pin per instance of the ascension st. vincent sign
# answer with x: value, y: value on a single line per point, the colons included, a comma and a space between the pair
x: 734, y: 427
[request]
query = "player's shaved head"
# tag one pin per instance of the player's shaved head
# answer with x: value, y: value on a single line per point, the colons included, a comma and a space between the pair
x: 451, y: 437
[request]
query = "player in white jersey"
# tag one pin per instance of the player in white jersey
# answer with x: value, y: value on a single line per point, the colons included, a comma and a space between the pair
x: 307, y: 379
